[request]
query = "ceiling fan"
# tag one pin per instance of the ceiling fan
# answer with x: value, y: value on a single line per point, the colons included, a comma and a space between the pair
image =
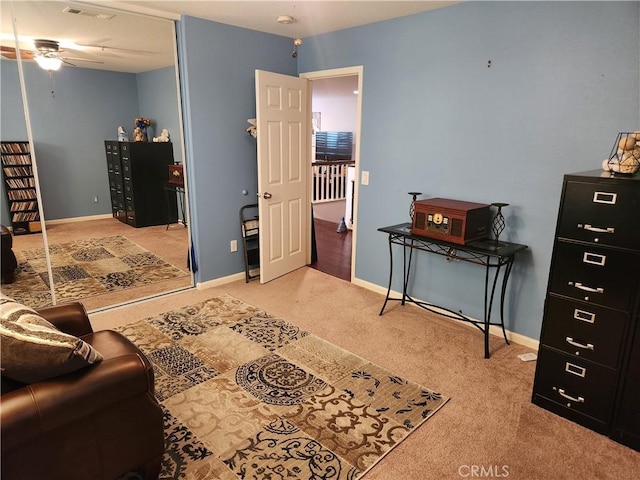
x: 46, y: 54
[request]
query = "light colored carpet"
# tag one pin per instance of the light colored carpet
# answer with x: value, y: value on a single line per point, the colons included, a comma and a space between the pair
x: 489, y: 422
x: 86, y: 268
x: 248, y: 395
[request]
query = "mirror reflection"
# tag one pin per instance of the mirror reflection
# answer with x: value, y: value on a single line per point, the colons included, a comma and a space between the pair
x: 20, y: 212
x: 115, y: 217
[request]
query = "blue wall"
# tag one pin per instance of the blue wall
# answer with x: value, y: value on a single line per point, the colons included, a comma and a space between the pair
x: 564, y: 80
x: 158, y: 100
x: 69, y: 127
x: 217, y: 67
x: 12, y: 121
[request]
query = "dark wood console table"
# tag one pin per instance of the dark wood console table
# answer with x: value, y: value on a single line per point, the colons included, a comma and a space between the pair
x: 486, y: 253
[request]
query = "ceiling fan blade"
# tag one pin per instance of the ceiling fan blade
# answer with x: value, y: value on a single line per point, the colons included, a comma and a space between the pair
x: 12, y: 53
x: 67, y: 63
x: 106, y: 48
x: 76, y: 59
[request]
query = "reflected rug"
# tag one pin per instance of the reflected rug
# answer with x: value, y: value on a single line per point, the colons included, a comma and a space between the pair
x: 84, y: 268
x: 250, y: 396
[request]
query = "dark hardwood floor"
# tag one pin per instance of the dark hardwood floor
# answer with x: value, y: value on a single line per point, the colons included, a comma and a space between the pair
x: 334, y: 250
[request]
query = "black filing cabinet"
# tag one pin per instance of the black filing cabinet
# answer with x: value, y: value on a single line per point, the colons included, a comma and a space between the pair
x: 588, y: 366
x: 138, y: 173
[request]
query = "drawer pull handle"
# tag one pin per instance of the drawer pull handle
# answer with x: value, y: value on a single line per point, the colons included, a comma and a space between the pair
x: 588, y: 289
x: 569, y: 397
x: 605, y: 197
x: 571, y: 341
x: 591, y: 228
x: 594, y: 259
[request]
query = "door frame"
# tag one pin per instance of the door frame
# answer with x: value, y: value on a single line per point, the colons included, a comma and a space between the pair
x: 335, y: 73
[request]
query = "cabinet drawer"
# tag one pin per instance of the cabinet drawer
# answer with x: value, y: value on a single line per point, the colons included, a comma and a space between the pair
x: 587, y: 331
x: 606, y: 214
x: 576, y: 383
x: 113, y: 168
x: 595, y: 275
x: 126, y: 167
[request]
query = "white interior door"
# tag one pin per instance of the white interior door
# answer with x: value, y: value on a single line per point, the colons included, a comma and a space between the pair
x: 282, y: 119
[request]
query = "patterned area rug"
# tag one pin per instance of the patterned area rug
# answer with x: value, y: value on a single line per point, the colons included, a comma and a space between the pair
x: 84, y: 268
x: 250, y: 396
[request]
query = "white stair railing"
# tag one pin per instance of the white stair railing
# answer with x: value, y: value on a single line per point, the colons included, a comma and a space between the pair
x: 329, y: 180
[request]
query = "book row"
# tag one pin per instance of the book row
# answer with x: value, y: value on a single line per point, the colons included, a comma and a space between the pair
x: 22, y: 194
x: 25, y: 217
x: 18, y: 171
x: 20, y: 206
x: 16, y: 159
x: 15, y: 147
x: 21, y: 182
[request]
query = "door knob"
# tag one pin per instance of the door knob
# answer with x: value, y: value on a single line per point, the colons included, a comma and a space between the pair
x: 266, y: 195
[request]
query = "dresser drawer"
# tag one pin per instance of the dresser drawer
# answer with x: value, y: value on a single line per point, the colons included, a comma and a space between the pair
x: 607, y: 214
x: 595, y: 275
x: 576, y: 383
x: 587, y: 331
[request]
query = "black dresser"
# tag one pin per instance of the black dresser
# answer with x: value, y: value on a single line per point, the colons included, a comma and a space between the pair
x: 588, y: 367
x: 138, y: 173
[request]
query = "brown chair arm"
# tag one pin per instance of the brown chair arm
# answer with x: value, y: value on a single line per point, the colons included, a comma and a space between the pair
x: 71, y: 318
x: 44, y: 406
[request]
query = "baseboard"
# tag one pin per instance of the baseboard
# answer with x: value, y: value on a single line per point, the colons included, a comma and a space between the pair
x: 216, y: 282
x: 78, y: 219
x: 493, y: 330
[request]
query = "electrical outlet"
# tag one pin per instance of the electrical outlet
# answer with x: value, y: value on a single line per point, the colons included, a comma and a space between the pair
x: 95, y: 199
x: 233, y: 245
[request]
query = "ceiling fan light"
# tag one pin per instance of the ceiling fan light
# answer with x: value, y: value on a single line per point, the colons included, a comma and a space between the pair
x: 285, y: 19
x: 48, y: 63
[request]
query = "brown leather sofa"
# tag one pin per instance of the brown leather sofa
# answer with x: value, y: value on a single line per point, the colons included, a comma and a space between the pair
x: 99, y: 422
x: 9, y: 262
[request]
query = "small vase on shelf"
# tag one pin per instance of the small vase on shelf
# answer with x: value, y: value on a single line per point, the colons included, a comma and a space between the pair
x: 140, y: 134
x: 140, y: 130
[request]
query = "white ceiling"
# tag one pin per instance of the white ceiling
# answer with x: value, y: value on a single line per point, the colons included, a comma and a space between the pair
x: 134, y: 42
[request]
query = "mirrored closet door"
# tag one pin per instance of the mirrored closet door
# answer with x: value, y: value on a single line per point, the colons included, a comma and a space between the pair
x: 115, y: 212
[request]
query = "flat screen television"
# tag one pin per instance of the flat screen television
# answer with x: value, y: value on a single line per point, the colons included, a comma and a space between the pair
x: 334, y: 145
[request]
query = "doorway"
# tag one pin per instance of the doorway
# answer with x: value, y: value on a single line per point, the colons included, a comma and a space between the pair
x: 336, y: 106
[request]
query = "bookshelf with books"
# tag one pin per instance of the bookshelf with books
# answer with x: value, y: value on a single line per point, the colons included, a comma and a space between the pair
x: 20, y: 187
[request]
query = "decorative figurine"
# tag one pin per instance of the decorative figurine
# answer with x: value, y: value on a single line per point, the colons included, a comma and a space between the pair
x: 252, y: 129
x: 122, y: 134
x: 164, y: 136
